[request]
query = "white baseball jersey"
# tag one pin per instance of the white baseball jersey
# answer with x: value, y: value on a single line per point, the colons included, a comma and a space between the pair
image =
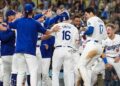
x: 99, y: 32
x: 67, y: 35
x: 112, y: 47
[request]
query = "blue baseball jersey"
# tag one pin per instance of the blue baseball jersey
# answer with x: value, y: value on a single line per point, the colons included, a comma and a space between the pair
x: 47, y: 53
x: 7, y: 39
x: 27, y: 33
x: 50, y: 21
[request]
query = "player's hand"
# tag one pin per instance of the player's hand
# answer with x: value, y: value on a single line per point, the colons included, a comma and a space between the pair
x: 59, y: 11
x: 48, y: 13
x: 46, y: 46
x: 56, y: 28
x: 117, y: 59
x: 44, y: 12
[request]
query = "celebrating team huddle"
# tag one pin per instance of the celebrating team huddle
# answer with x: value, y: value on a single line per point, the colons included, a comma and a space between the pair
x: 27, y: 45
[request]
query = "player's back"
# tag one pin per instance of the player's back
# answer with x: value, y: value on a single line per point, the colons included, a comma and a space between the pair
x: 67, y: 35
x: 99, y: 32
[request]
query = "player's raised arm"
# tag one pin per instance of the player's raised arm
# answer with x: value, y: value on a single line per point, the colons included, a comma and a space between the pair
x: 52, y: 30
x: 48, y: 33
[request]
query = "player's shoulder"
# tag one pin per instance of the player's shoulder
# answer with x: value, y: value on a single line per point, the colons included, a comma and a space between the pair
x: 92, y: 19
x: 117, y: 36
x: 19, y: 19
x: 63, y: 24
x: 95, y: 19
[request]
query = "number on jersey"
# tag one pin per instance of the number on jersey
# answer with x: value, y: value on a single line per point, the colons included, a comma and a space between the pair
x: 66, y: 35
x: 101, y: 29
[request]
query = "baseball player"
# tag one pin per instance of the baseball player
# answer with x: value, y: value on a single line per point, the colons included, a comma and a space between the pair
x: 46, y: 46
x: 7, y: 48
x: 112, y: 49
x: 65, y: 41
x: 95, y: 32
x: 25, y: 51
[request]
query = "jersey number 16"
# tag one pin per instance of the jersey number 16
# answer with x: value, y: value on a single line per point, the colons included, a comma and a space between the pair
x: 66, y: 35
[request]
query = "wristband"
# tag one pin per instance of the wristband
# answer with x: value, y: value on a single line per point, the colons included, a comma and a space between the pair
x: 105, y: 60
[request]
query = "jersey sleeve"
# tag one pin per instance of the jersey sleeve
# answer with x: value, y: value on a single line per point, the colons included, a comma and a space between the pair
x: 13, y: 25
x: 90, y: 23
x: 40, y: 28
x: 6, y: 35
x: 90, y: 28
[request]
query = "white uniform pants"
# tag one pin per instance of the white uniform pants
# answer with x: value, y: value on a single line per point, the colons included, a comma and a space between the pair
x: 14, y: 64
x: 32, y: 63
x: 39, y: 57
x: 85, y: 62
x: 76, y: 57
x: 1, y: 70
x: 62, y: 56
x: 98, y: 68
x: 7, y: 65
x: 44, y: 64
x: 115, y: 65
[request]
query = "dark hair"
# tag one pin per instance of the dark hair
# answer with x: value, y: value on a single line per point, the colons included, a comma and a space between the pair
x: 76, y: 16
x: 90, y: 9
x: 26, y: 14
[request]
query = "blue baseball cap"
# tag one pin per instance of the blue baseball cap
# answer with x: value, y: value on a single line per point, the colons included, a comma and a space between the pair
x: 10, y: 13
x: 37, y: 16
x: 28, y: 8
x: 64, y: 16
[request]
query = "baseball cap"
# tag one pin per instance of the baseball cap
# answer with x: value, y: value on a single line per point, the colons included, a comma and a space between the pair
x: 10, y: 13
x: 28, y: 8
x: 64, y: 16
x: 37, y: 16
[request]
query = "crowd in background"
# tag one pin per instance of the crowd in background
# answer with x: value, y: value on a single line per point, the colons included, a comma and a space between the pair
x: 108, y: 10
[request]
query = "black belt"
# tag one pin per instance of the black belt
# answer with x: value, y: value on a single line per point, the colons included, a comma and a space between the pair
x: 96, y: 41
x: 37, y: 45
x: 63, y: 46
x: 93, y: 40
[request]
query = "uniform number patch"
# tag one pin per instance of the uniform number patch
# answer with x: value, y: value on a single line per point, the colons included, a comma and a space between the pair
x: 66, y: 35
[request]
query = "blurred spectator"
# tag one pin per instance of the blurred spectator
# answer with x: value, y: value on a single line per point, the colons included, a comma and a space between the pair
x: 78, y: 7
x: 94, y: 4
x: 4, y: 6
x: 105, y: 12
x: 15, y: 5
x: 46, y: 4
